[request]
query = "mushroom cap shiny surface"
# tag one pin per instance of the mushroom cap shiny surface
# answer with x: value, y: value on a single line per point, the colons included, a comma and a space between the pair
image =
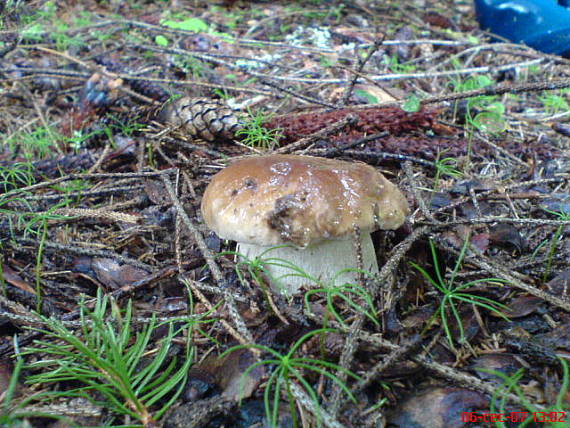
x: 301, y: 200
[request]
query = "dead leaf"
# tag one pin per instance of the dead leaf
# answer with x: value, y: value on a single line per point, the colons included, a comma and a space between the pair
x: 465, y: 186
x: 227, y: 374
x: 110, y: 273
x: 480, y: 241
x: 200, y: 385
x: 506, y: 235
x: 156, y: 192
x: 558, y: 203
x: 560, y: 284
x: 470, y: 211
x: 521, y: 306
x: 231, y: 375
x: 503, y: 363
x: 11, y: 277
x: 5, y: 376
x: 438, y: 20
x: 440, y: 200
x: 469, y: 322
x: 437, y: 407
x: 418, y: 317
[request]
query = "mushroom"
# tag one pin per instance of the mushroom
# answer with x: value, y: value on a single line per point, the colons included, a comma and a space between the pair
x: 311, y: 203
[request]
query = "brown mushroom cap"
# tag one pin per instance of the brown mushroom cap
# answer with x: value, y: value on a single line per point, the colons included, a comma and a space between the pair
x: 277, y: 199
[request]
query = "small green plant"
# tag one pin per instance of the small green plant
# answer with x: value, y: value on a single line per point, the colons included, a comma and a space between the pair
x: 554, y: 103
x: 33, y: 32
x: 484, y: 112
x: 327, y: 62
x: 412, y: 104
x: 13, y: 412
x: 192, y: 24
x: 3, y: 288
x: 348, y: 293
x: 445, y: 167
x: 16, y: 175
x: 554, y: 416
x: 62, y: 40
x: 39, y: 266
x: 24, y: 218
x: 128, y: 127
x: 37, y: 144
x: 72, y: 189
x: 46, y: 12
x: 195, y: 25
x: 396, y: 67
x: 222, y: 93
x: 260, y: 265
x: 12, y: 216
x: 232, y: 18
x: 192, y: 65
x: 82, y: 18
x: 563, y: 216
x: 160, y: 40
x: 7, y: 411
x: 38, y: 221
x: 453, y: 294
x: 254, y: 134
x: 79, y: 138
x: 44, y: 21
x: 288, y: 369
x: 108, y: 362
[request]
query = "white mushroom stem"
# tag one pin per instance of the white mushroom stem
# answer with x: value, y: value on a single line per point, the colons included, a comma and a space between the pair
x: 321, y: 261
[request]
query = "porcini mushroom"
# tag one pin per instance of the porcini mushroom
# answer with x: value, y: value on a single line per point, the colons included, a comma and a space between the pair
x: 311, y: 203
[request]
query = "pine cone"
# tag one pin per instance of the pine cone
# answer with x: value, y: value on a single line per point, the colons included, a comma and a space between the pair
x: 203, y: 118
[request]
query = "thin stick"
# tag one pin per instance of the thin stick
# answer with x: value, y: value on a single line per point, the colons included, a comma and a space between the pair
x: 244, y: 336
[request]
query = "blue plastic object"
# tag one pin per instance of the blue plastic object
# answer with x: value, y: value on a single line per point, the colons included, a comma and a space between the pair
x: 541, y: 24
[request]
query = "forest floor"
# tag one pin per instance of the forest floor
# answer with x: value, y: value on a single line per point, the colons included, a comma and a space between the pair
x: 120, y: 307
